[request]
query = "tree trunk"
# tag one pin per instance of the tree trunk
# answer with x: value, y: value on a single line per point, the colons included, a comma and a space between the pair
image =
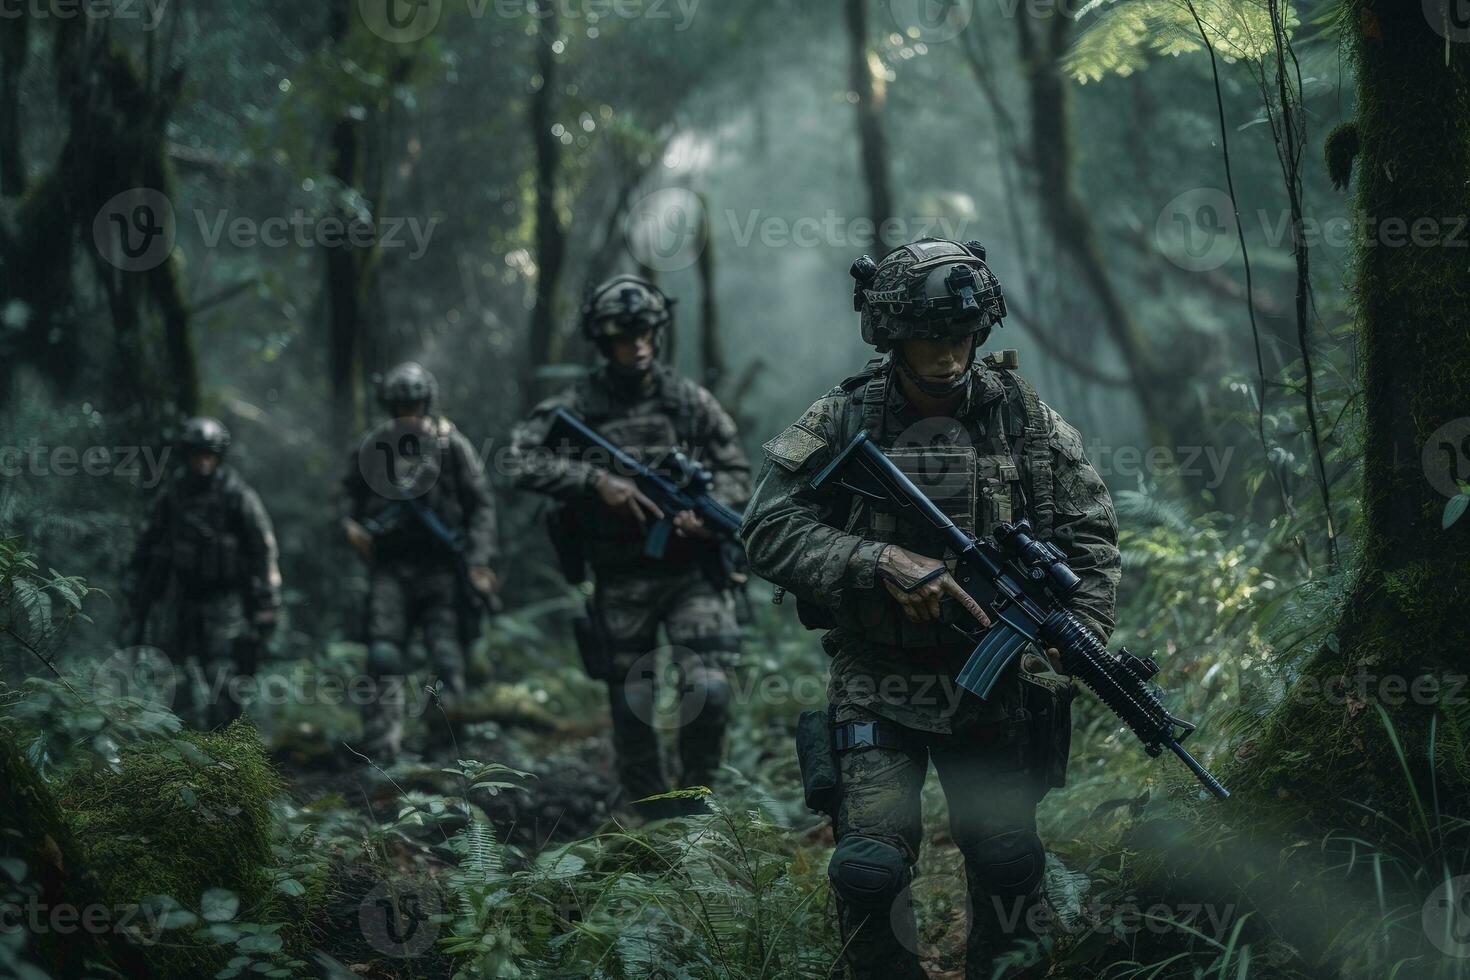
x: 713, y: 369
x: 873, y: 147
x: 1043, y: 44
x: 545, y: 343
x: 14, y: 46
x: 344, y: 263
x: 1405, y: 614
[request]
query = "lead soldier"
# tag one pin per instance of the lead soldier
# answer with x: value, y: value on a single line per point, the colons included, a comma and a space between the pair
x: 973, y: 434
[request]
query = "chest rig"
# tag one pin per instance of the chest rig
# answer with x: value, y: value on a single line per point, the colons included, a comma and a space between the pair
x: 204, y: 540
x: 993, y: 465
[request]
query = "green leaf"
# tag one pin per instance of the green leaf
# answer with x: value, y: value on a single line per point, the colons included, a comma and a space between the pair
x: 259, y: 944
x: 219, y: 905
x: 291, y: 887
x: 1454, y: 510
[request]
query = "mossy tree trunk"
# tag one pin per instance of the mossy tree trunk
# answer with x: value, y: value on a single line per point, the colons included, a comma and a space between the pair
x: 1405, y: 616
x: 551, y: 240
x: 867, y: 89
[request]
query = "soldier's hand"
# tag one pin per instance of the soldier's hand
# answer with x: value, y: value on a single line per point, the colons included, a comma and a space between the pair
x: 688, y: 524
x: 917, y: 583
x: 484, y: 580
x: 622, y: 496
x: 359, y: 538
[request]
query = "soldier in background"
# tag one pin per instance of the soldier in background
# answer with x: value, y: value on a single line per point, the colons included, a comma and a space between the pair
x: 418, y: 509
x: 645, y: 409
x: 972, y: 434
x: 208, y: 544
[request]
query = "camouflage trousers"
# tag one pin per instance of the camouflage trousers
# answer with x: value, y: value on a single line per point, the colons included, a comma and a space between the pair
x: 402, y: 597
x: 703, y: 642
x: 992, y: 801
x: 212, y: 647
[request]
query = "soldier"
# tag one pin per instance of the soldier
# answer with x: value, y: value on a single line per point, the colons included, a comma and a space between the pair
x: 973, y: 435
x: 418, y: 509
x: 645, y: 409
x: 208, y: 542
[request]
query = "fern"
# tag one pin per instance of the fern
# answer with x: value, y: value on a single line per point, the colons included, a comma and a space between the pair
x: 1128, y: 34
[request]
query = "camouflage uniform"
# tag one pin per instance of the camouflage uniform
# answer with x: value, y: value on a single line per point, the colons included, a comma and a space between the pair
x: 415, y: 577
x: 634, y: 595
x: 893, y: 704
x: 209, y: 540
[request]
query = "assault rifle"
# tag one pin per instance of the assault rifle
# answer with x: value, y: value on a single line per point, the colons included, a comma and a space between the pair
x: 453, y: 541
x: 686, y: 487
x: 1024, y: 584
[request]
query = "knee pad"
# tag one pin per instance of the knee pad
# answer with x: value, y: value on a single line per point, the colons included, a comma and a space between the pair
x: 384, y: 658
x: 868, y: 872
x: 1010, y: 864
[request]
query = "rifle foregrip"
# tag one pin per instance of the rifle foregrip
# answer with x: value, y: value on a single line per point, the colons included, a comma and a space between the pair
x: 1087, y: 659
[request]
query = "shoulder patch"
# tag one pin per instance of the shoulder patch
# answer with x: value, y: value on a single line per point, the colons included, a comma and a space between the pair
x: 793, y: 447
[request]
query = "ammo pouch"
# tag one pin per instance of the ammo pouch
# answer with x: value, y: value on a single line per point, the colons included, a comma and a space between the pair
x: 1046, y: 697
x: 592, y: 645
x: 817, y: 758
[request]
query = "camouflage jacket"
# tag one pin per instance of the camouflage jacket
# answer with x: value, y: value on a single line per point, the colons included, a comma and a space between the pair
x: 1027, y: 462
x: 669, y: 411
x: 446, y: 477
x: 209, y: 536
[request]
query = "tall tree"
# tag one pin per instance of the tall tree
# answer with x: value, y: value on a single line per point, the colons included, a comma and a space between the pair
x: 867, y: 90
x: 551, y: 243
x: 1405, y: 611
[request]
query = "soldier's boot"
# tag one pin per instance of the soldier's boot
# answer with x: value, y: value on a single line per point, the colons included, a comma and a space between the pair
x: 1004, y: 875
x: 635, y: 743
x: 870, y: 876
x: 704, y: 715
x: 382, y: 715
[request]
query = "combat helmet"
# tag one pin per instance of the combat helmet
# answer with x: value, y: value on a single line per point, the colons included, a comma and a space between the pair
x: 625, y: 305
x: 407, y: 383
x: 928, y: 289
x: 202, y: 434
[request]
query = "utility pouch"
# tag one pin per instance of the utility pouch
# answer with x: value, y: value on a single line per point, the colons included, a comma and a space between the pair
x: 815, y: 617
x: 1047, y: 699
x: 596, y: 658
x: 817, y: 758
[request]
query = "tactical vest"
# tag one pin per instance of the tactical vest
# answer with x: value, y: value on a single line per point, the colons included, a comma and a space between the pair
x: 204, y: 535
x: 646, y: 431
x: 993, y: 466
x: 398, y: 533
